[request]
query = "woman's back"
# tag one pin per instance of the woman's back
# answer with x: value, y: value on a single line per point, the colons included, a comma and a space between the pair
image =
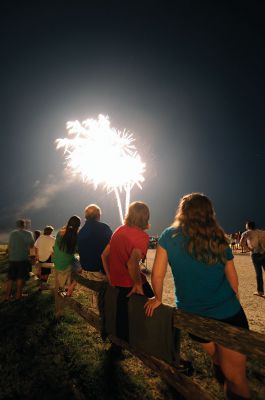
x: 199, y: 288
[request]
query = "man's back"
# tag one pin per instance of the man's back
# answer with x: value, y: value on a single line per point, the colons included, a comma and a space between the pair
x: 19, y: 244
x: 255, y: 240
x: 92, y: 239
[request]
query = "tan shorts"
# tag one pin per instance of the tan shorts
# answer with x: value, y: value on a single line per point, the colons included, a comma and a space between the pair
x: 94, y: 276
x: 63, y: 278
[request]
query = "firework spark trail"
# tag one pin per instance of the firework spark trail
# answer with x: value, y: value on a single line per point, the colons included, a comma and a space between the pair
x: 103, y: 155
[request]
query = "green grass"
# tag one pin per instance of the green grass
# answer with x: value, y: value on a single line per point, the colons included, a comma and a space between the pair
x: 41, y: 359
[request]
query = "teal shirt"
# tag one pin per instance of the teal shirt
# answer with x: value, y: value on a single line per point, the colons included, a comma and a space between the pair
x: 200, y: 288
x: 61, y: 259
x: 20, y: 241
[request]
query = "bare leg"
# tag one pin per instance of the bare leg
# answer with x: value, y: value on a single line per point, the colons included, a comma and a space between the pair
x: 211, y: 349
x: 20, y: 284
x: 70, y: 288
x: 233, y: 365
x: 8, y: 290
x: 59, y: 302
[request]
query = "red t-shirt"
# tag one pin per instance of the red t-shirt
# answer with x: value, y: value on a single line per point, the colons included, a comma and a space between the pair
x: 122, y: 243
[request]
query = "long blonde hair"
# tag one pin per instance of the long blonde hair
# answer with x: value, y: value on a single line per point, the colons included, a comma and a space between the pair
x: 206, y: 239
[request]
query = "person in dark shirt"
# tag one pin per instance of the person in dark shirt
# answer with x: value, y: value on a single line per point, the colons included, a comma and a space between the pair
x: 92, y: 239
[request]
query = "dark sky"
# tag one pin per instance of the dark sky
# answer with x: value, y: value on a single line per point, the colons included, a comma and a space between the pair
x: 186, y: 79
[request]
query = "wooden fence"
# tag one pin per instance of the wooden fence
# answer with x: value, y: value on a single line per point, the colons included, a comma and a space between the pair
x: 249, y: 343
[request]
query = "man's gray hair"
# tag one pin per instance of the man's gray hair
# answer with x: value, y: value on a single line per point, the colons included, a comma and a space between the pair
x: 92, y: 211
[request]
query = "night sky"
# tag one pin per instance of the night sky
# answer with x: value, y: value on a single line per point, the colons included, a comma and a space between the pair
x: 186, y: 79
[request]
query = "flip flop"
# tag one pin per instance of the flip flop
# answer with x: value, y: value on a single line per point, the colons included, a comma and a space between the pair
x: 260, y: 294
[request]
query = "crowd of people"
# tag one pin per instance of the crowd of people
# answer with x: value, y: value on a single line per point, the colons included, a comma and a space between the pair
x: 195, y: 246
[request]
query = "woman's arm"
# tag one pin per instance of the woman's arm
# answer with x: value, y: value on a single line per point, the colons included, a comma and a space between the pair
x: 231, y: 276
x: 158, y: 275
x: 105, y: 261
x: 134, y: 271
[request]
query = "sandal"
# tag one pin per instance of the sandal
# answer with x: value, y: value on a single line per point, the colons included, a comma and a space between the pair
x: 261, y: 294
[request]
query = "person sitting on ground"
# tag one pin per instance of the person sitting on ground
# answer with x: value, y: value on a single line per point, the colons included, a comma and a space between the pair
x: 44, y: 250
x: 65, y: 248
x: 254, y: 240
x: 121, y: 259
x: 206, y: 282
x: 20, y: 242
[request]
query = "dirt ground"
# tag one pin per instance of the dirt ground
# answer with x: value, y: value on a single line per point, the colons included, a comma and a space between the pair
x: 254, y: 306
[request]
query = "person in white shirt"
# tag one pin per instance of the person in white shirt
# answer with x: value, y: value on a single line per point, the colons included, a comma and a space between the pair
x: 254, y: 239
x: 44, y: 250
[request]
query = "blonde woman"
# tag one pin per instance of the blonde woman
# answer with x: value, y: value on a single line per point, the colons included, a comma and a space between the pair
x: 206, y: 282
x: 121, y: 259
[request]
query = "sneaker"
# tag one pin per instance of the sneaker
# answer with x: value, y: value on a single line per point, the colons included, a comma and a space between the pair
x: 62, y: 293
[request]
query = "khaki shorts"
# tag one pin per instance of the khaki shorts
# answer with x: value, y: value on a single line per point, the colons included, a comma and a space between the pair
x: 63, y: 278
x: 94, y: 276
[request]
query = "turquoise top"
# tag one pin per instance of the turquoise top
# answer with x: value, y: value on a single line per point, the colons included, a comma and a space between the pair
x: 61, y: 259
x: 20, y: 241
x: 200, y: 288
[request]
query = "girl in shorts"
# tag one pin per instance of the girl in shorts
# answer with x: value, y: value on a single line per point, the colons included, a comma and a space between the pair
x: 65, y: 249
x: 206, y: 282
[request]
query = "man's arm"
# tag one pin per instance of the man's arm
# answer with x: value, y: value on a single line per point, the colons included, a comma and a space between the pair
x: 243, y: 240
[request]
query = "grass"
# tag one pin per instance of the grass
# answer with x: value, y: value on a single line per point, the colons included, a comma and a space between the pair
x: 42, y: 359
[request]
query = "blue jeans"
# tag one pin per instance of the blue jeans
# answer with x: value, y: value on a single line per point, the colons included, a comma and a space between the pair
x: 258, y: 260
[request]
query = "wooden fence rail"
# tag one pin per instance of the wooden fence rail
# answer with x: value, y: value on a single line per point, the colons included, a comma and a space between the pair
x: 182, y: 383
x: 247, y: 342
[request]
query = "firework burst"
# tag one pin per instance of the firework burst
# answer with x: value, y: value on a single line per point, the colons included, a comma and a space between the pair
x: 102, y: 155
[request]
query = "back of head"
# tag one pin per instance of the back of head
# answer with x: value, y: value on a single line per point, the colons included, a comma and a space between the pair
x: 37, y: 234
x: 138, y: 215
x: 73, y: 224
x: 69, y: 239
x: 48, y: 230
x: 206, y: 239
x: 92, y: 212
x: 251, y: 225
x: 20, y: 223
x: 195, y: 210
